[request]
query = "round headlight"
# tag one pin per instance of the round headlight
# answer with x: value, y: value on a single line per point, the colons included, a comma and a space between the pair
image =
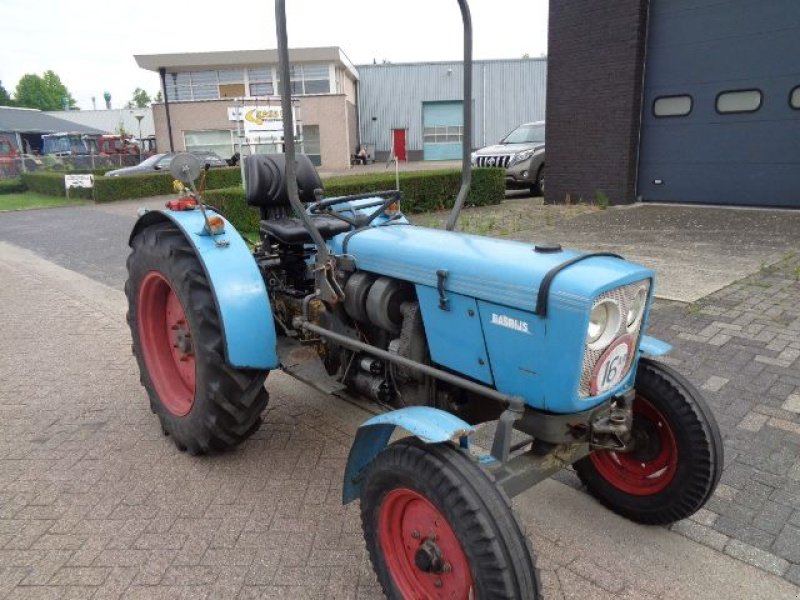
x: 603, y: 324
x: 636, y: 309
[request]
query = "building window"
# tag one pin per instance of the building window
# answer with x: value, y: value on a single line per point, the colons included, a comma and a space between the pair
x: 309, y: 79
x: 794, y: 98
x: 311, y: 143
x: 441, y: 134
x: 739, y: 101
x: 219, y: 141
x: 316, y: 79
x: 672, y: 106
x: 231, y: 83
x: 260, y: 82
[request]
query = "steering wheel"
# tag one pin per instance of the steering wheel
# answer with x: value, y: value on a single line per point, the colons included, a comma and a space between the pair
x: 388, y: 197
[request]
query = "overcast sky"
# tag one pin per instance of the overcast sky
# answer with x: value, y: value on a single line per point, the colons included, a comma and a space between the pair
x: 91, y: 43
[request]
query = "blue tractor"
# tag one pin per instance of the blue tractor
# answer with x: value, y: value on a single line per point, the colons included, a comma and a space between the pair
x: 442, y: 331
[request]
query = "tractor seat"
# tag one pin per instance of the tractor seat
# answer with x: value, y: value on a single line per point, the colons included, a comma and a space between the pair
x: 290, y: 230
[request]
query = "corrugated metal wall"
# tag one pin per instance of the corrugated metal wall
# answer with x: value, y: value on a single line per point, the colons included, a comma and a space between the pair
x: 505, y: 94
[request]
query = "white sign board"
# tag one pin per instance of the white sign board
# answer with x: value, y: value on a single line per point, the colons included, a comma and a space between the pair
x: 260, y: 123
x: 78, y: 181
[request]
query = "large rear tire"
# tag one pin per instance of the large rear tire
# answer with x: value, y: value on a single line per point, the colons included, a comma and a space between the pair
x: 202, y: 402
x: 677, y: 459
x: 437, y: 527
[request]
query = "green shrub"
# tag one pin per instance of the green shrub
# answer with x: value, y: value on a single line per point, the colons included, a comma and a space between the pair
x: 231, y: 203
x: 109, y: 189
x: 12, y: 186
x: 425, y: 191
x: 422, y: 191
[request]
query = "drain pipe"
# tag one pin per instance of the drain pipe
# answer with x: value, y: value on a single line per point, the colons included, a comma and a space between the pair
x: 163, y: 74
x: 466, y: 162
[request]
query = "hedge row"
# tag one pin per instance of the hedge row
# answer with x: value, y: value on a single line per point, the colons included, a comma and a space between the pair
x: 422, y: 191
x: 12, y: 186
x: 108, y: 189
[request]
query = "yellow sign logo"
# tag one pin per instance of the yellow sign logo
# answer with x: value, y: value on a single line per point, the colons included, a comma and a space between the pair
x: 259, y: 116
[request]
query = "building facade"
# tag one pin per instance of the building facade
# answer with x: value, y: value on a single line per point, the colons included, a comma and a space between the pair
x: 112, y: 121
x: 667, y: 101
x: 204, y: 94
x: 415, y: 109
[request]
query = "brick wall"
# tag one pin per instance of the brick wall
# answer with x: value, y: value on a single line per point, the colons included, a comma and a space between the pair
x: 594, y: 85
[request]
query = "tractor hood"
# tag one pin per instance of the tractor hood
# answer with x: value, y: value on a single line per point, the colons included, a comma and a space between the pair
x: 501, y: 271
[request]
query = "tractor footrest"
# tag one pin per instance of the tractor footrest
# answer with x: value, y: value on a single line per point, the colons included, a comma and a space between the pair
x: 302, y: 362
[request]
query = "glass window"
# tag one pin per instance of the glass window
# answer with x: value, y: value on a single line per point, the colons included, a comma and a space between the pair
x: 739, y: 101
x: 317, y: 79
x: 219, y: 141
x: 794, y: 99
x: 260, y: 82
x: 231, y: 76
x: 441, y: 134
x: 672, y: 106
x: 311, y: 143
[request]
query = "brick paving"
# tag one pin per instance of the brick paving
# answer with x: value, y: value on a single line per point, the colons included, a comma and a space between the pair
x: 741, y: 346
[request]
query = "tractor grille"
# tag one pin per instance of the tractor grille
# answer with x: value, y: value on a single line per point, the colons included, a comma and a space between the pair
x: 624, y: 297
x: 493, y: 161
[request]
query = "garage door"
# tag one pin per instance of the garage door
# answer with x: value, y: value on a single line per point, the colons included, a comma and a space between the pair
x: 443, y: 130
x: 721, y: 111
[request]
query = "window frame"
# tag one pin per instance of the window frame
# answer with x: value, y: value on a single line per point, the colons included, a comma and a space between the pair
x: 667, y: 97
x: 739, y: 112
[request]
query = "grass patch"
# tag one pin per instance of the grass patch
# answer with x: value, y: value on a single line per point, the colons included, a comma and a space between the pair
x: 29, y: 200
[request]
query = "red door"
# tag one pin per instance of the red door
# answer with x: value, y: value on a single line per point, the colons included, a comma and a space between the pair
x: 399, y: 143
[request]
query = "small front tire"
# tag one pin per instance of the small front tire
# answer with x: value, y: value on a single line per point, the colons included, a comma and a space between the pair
x: 677, y: 458
x: 437, y: 527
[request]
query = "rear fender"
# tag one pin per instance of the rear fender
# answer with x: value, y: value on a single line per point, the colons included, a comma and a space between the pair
x: 236, y: 283
x: 431, y: 425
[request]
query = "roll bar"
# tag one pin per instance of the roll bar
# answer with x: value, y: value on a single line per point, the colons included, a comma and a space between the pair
x: 323, y: 255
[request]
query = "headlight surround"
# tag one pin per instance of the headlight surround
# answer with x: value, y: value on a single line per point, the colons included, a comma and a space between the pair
x: 636, y: 309
x: 522, y: 156
x: 604, y: 322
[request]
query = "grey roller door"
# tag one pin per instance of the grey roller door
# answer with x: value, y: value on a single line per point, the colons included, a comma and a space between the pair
x: 705, y: 55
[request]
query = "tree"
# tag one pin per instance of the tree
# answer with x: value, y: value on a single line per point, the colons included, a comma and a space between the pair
x: 45, y: 93
x: 159, y: 97
x: 5, y: 99
x: 140, y: 99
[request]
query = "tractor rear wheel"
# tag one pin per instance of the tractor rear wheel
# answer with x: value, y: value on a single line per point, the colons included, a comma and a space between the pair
x: 202, y: 402
x: 677, y: 458
x: 437, y: 527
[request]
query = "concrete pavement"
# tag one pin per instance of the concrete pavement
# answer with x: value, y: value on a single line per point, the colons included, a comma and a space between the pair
x: 96, y: 503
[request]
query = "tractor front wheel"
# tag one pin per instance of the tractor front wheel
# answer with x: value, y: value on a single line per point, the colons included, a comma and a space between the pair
x: 437, y: 527
x: 677, y: 455
x: 202, y: 402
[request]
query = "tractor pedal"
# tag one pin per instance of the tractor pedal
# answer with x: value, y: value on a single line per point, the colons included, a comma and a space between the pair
x: 302, y: 362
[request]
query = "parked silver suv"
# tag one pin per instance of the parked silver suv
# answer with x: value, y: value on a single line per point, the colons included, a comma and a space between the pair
x: 521, y: 153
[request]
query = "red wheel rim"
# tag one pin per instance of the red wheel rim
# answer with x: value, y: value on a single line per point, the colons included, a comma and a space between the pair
x: 166, y: 343
x: 421, y: 550
x: 651, y: 466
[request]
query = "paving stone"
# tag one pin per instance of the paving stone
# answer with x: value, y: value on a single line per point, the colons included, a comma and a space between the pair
x: 715, y: 383
x: 792, y: 404
x: 788, y: 544
x: 756, y: 557
x: 753, y: 422
x: 701, y: 533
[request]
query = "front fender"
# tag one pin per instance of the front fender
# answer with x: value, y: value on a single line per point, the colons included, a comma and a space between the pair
x: 431, y: 425
x: 652, y: 347
x: 236, y: 284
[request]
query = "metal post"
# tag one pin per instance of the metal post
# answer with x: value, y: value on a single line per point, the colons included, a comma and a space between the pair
x: 323, y: 256
x: 163, y: 72
x: 466, y: 163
